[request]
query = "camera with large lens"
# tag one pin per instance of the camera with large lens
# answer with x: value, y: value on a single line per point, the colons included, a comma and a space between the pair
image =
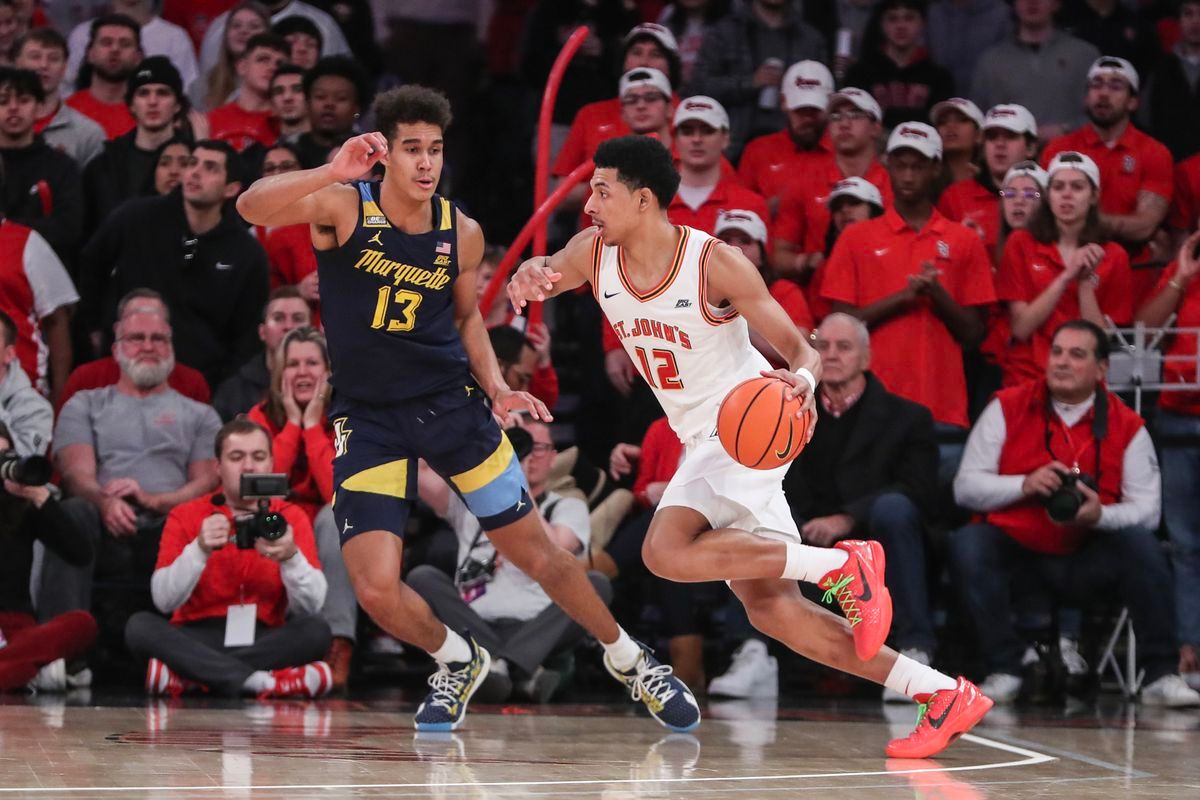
x: 1063, y: 504
x: 27, y: 470
x: 263, y: 523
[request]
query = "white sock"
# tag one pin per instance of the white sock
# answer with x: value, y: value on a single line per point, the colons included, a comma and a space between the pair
x: 454, y: 650
x: 260, y: 681
x: 809, y: 564
x: 912, y: 678
x: 624, y: 652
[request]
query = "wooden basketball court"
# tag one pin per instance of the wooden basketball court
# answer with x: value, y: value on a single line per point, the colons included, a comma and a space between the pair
x: 207, y: 749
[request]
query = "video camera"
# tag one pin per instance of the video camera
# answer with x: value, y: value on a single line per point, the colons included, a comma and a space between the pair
x: 263, y: 523
x: 27, y: 470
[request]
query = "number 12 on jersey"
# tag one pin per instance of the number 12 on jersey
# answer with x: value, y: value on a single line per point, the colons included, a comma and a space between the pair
x: 408, y: 302
x: 665, y: 368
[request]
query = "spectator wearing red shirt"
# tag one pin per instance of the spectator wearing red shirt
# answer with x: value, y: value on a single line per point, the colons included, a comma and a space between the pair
x: 205, y: 579
x: 960, y: 123
x: 1009, y: 136
x: 1178, y: 293
x: 248, y: 119
x: 289, y: 247
x: 113, y: 54
x: 1061, y: 267
x: 1136, y: 171
x: 701, y: 135
x: 1185, y: 209
x: 803, y: 217
x: 918, y: 280
x: 851, y: 200
x: 106, y: 371
x: 768, y: 162
x: 745, y: 230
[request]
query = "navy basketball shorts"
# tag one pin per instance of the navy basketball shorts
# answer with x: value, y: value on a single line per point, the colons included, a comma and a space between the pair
x: 377, y: 448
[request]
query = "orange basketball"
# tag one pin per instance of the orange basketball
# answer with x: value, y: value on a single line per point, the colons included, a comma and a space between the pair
x: 758, y: 426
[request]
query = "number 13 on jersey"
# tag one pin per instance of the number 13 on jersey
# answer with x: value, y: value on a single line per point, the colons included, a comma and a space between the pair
x: 408, y: 302
x: 664, y: 374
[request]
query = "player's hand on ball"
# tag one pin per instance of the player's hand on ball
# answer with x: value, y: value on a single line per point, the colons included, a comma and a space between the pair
x: 533, y: 280
x: 506, y: 401
x: 800, y: 388
x: 358, y: 155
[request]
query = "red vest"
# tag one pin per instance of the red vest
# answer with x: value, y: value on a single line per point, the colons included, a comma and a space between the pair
x: 16, y: 299
x: 1026, y: 423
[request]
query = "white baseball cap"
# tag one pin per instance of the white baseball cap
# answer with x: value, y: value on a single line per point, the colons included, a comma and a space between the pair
x: 659, y: 33
x: 859, y: 98
x: 644, y: 76
x: 703, y: 109
x: 859, y: 188
x: 960, y: 104
x: 916, y: 136
x: 1111, y: 65
x: 737, y: 219
x: 1026, y: 169
x: 1069, y: 159
x: 1011, y: 117
x: 807, y: 84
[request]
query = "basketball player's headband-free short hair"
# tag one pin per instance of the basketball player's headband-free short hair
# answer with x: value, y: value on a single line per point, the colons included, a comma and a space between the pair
x: 410, y: 104
x: 641, y: 162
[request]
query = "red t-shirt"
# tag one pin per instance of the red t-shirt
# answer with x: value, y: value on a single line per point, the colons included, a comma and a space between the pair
x: 1027, y: 268
x: 292, y: 259
x: 725, y: 196
x: 241, y: 128
x: 1184, y: 345
x: 194, y: 16
x: 803, y: 218
x: 1185, y: 210
x: 106, y: 372
x: 661, y: 452
x: 770, y: 162
x: 232, y: 576
x: 594, y: 123
x: 969, y: 200
x: 913, y: 353
x: 114, y: 118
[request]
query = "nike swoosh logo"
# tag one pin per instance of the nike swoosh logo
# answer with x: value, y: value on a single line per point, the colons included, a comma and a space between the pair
x: 867, y: 593
x: 937, y: 721
x: 608, y: 296
x: 788, y: 447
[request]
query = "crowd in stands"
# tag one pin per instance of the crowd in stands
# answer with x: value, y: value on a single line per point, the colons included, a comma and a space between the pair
x: 958, y: 200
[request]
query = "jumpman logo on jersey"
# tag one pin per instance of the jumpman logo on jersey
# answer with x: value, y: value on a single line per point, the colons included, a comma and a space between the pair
x: 347, y: 527
x: 469, y: 390
x: 520, y: 505
x: 375, y: 239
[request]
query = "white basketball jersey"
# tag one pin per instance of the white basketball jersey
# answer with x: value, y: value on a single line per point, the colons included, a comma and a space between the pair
x: 689, y: 352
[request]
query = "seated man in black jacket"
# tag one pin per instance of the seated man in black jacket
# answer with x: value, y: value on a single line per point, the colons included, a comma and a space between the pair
x: 210, y: 271
x: 869, y: 473
x: 30, y: 654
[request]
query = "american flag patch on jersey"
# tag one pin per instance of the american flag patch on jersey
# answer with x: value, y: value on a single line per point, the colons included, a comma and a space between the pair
x: 443, y: 248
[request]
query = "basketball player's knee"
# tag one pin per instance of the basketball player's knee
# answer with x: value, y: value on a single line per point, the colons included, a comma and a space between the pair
x: 657, y: 557
x: 375, y: 593
x: 543, y: 564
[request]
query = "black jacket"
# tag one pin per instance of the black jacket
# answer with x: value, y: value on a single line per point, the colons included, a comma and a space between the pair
x: 121, y: 172
x: 21, y: 526
x: 244, y: 389
x: 41, y: 190
x: 905, y: 94
x: 1173, y: 108
x: 890, y: 449
x: 214, y: 284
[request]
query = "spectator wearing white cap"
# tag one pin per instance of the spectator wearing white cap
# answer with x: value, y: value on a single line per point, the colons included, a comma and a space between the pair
x: 917, y: 279
x: 743, y: 59
x: 1061, y: 267
x: 960, y: 124
x: 744, y: 229
x: 701, y: 134
x: 770, y: 161
x: 646, y: 45
x: 1009, y: 136
x: 802, y: 218
x: 895, y: 66
x: 1170, y: 106
x: 1136, y: 171
x: 1039, y: 66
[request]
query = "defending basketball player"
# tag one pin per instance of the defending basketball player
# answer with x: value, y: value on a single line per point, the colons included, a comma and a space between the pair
x: 682, y: 303
x: 412, y: 365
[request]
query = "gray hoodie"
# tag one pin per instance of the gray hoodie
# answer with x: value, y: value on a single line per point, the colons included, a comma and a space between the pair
x: 27, y: 415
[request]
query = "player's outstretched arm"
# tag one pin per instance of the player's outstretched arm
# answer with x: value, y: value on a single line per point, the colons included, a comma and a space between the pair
x: 732, y: 277
x: 311, y: 195
x: 542, y: 277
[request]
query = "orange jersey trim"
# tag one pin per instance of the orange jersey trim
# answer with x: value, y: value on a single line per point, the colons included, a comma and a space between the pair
x: 676, y: 263
x: 709, y: 317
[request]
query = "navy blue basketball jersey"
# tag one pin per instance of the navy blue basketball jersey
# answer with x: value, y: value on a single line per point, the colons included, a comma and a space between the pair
x: 387, y: 304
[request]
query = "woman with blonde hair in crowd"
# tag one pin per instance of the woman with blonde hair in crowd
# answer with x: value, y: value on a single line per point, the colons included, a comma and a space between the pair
x: 213, y: 88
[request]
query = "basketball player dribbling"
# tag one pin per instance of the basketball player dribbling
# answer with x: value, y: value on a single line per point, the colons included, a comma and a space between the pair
x: 412, y: 365
x: 682, y: 303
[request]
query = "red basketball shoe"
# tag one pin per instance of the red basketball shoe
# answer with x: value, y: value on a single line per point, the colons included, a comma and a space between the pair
x: 941, y: 718
x: 858, y: 588
x: 161, y: 680
x: 309, y: 681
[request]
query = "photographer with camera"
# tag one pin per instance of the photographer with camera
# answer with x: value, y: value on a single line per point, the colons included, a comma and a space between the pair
x: 238, y: 572
x: 31, y: 654
x: 1066, y: 483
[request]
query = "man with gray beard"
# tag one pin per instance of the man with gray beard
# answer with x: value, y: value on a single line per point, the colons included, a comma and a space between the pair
x: 128, y: 454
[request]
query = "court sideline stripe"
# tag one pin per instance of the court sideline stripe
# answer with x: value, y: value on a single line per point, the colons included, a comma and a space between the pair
x: 1030, y: 758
